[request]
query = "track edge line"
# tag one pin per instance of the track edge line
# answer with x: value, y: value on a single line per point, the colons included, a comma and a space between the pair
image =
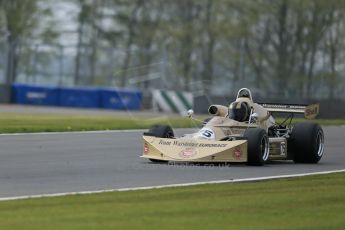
x: 170, y: 185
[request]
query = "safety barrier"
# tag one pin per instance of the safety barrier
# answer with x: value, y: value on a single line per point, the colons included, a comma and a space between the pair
x: 79, y: 97
x: 35, y: 94
x: 82, y: 97
x: 121, y: 99
x: 172, y: 101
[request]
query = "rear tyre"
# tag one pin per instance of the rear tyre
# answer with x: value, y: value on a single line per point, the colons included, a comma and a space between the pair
x: 258, y: 146
x: 163, y: 131
x: 306, y: 143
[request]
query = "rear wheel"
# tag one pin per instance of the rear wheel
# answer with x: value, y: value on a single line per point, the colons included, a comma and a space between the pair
x: 258, y: 146
x: 163, y: 131
x: 306, y: 143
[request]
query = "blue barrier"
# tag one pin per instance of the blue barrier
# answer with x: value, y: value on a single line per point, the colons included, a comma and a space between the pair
x: 82, y: 97
x: 79, y: 97
x: 120, y: 99
x: 35, y: 94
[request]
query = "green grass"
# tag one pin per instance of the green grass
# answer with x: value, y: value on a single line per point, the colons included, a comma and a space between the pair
x: 313, y: 202
x: 21, y: 123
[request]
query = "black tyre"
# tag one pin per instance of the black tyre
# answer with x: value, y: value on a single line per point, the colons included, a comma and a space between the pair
x: 163, y: 131
x: 156, y: 161
x: 306, y: 143
x: 258, y: 146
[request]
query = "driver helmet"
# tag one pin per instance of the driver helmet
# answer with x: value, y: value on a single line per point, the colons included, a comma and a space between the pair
x: 239, y: 111
x: 244, y: 93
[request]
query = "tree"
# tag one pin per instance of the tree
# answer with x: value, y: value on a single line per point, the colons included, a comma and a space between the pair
x: 84, y: 14
x: 182, y: 24
x: 262, y: 44
x: 20, y: 21
x: 320, y: 21
x: 334, y: 46
x: 146, y: 31
x: 286, y: 38
x: 124, y: 30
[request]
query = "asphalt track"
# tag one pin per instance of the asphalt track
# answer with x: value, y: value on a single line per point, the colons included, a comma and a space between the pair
x: 33, y: 164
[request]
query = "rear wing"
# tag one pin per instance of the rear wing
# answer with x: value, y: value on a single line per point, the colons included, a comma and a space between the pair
x: 309, y: 111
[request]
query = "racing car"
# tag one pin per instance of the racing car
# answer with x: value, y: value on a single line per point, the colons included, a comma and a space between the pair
x: 243, y: 132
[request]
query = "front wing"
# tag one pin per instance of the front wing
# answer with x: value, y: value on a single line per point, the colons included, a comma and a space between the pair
x: 194, y: 150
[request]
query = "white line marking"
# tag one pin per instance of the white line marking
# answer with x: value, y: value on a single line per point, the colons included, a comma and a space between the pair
x: 171, y: 185
x: 76, y: 132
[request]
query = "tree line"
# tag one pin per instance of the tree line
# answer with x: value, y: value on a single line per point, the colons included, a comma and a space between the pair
x: 287, y: 47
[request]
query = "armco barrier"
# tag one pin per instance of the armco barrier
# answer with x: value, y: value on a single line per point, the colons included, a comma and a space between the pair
x: 35, y: 94
x: 172, y: 101
x: 79, y: 97
x: 120, y: 99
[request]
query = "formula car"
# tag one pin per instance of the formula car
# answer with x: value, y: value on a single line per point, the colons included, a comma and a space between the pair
x: 243, y: 132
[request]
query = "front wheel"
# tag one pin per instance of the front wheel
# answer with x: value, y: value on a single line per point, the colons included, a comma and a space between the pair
x: 156, y: 161
x: 258, y: 146
x: 306, y: 143
x: 163, y: 131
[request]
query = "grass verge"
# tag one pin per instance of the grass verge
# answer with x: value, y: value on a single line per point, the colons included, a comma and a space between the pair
x: 313, y: 202
x: 22, y: 123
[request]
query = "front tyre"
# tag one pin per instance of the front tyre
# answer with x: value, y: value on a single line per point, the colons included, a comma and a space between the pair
x: 157, y: 161
x: 306, y: 143
x: 162, y: 131
x: 258, y: 146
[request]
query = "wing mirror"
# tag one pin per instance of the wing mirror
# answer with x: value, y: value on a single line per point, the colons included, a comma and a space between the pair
x: 190, y: 113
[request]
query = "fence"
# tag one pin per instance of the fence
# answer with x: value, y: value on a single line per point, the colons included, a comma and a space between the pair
x: 54, y: 64
x: 156, y: 68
